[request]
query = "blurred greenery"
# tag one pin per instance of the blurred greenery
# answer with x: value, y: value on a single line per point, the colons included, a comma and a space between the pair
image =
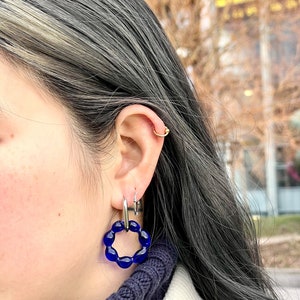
x: 270, y: 226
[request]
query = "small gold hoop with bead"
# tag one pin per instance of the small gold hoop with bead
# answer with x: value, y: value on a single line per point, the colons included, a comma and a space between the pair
x: 167, y: 131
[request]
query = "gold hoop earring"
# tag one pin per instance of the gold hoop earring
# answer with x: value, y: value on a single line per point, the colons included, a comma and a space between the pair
x: 167, y: 131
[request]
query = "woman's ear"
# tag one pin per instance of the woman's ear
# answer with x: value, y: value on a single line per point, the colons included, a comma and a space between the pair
x: 140, y: 138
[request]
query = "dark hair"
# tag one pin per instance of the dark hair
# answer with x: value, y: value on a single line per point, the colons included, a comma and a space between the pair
x: 99, y: 56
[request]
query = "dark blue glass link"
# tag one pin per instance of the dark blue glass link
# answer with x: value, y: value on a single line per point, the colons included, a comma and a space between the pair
x: 118, y: 226
x: 140, y: 255
x: 111, y: 254
x: 109, y: 238
x: 125, y: 262
x: 134, y: 226
x: 144, y: 238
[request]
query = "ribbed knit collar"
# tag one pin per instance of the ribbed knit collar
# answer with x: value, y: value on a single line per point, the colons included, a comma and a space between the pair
x: 151, y: 279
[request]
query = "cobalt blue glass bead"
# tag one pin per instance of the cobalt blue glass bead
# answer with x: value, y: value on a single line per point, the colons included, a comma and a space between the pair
x: 125, y: 262
x: 109, y: 238
x: 144, y: 238
x: 118, y: 226
x: 140, y: 255
x: 134, y: 226
x: 111, y: 253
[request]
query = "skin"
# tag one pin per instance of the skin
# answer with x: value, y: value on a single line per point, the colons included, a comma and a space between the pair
x: 51, y: 220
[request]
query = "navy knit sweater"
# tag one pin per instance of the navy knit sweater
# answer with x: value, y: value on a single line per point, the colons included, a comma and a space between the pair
x: 151, y: 279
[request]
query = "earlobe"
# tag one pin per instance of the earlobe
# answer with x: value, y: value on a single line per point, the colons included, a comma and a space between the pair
x: 140, y: 139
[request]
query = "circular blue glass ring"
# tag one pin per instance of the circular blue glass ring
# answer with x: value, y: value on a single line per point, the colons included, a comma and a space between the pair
x: 126, y: 261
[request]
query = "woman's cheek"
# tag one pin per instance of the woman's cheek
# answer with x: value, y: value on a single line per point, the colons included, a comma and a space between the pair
x: 20, y: 212
x: 30, y: 209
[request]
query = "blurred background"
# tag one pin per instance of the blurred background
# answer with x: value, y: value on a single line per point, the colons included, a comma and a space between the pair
x: 243, y: 58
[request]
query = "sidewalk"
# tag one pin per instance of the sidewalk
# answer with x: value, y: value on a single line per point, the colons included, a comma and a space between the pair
x: 277, y: 239
x: 288, y: 293
x: 288, y: 281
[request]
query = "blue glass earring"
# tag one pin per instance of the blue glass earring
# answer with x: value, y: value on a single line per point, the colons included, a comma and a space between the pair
x: 144, y: 239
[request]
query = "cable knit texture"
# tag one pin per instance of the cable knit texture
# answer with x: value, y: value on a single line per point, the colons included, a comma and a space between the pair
x: 151, y: 279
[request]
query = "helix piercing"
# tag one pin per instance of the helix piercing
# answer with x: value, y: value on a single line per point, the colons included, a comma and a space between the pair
x: 167, y: 131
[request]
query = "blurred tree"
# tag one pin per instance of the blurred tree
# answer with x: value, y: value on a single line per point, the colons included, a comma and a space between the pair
x: 219, y: 43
